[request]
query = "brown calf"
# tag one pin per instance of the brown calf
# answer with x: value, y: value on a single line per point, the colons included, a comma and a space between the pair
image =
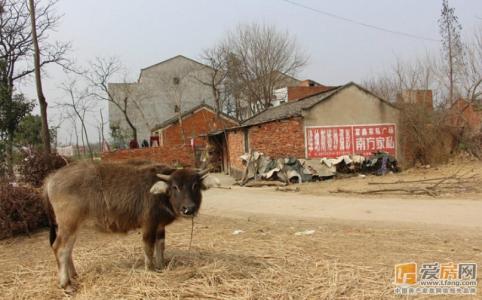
x: 119, y: 197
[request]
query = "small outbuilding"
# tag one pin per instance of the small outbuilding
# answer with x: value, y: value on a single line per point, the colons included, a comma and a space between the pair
x: 192, y: 126
x: 338, y: 121
x: 184, y: 139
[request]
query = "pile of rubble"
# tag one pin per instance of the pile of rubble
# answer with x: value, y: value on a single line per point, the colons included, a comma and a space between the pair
x: 260, y: 167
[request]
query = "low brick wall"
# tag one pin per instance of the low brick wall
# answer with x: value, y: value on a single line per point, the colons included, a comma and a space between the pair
x: 277, y: 139
x: 169, y: 155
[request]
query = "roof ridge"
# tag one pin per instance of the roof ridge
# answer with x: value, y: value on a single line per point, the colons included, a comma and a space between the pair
x: 188, y: 112
x: 171, y: 58
x: 290, y: 103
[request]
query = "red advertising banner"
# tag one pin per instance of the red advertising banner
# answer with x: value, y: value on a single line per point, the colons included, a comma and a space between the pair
x: 334, y: 141
x: 373, y: 138
x: 329, y: 141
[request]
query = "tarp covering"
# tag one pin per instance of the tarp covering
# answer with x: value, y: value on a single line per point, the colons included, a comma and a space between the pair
x: 293, y: 170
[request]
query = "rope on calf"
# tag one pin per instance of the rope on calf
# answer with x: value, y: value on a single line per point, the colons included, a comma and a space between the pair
x: 192, y: 231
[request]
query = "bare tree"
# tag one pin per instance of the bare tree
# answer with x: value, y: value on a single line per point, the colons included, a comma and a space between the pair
x: 101, y: 74
x: 215, y: 59
x: 452, y: 48
x: 261, y: 58
x: 250, y: 63
x: 73, y: 122
x: 38, y: 80
x: 404, y: 75
x: 383, y: 86
x: 100, y: 128
x: 78, y: 106
x: 16, y: 39
x: 472, y: 75
x: 19, y: 43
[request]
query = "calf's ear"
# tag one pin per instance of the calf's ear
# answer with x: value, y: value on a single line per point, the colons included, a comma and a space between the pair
x: 159, y: 187
x: 209, y: 181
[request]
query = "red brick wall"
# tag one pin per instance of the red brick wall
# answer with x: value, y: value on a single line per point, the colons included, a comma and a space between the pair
x: 168, y: 155
x: 200, y: 122
x: 279, y: 138
x: 235, y: 148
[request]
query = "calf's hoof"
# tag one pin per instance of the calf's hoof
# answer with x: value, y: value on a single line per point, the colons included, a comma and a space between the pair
x: 160, y: 266
x: 68, y: 287
x: 150, y: 267
x: 69, y: 290
x: 65, y: 282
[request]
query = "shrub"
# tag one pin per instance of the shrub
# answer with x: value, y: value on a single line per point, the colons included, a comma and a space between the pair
x: 425, y: 137
x: 3, y: 164
x: 21, y: 210
x: 469, y: 141
x: 36, y: 165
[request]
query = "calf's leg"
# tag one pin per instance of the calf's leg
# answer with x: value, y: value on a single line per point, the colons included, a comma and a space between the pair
x: 149, y: 239
x: 62, y: 247
x: 72, y: 272
x: 159, y: 248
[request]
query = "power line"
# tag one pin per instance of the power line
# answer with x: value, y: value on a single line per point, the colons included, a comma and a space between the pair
x: 406, y: 34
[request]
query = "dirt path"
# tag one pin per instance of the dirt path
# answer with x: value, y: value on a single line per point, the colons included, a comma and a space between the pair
x: 242, y: 202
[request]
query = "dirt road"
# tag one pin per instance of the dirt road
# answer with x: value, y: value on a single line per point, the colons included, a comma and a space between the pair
x: 243, y: 202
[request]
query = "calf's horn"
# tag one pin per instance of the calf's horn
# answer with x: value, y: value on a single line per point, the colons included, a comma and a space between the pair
x: 203, y: 172
x: 164, y: 177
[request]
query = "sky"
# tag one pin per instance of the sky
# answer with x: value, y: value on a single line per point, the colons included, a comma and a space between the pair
x: 143, y: 32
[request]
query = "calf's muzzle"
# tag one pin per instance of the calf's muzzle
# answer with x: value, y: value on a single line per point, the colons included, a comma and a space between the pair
x: 188, y: 210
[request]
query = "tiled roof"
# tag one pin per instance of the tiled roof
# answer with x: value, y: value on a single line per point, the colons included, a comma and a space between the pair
x: 295, y: 108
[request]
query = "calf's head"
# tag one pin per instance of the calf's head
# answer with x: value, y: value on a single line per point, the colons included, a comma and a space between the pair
x: 183, y: 187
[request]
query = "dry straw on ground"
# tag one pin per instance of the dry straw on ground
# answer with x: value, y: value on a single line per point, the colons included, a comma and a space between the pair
x: 266, y: 261
x: 432, y: 186
x: 458, y: 179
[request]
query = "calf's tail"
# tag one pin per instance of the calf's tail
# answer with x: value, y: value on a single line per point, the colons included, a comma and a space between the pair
x: 49, y: 211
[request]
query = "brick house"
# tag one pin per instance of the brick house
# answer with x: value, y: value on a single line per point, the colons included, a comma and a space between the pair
x: 176, y: 145
x: 196, y: 124
x: 360, y: 121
